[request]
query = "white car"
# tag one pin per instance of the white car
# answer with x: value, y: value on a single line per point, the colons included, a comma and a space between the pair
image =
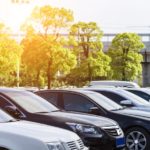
x: 113, y: 83
x: 25, y: 135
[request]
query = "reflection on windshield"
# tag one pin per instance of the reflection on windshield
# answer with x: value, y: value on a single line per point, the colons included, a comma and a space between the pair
x: 104, y: 102
x: 4, y: 117
x: 134, y: 98
x: 30, y: 102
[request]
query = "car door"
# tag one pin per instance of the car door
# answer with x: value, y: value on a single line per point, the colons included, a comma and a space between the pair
x: 77, y: 102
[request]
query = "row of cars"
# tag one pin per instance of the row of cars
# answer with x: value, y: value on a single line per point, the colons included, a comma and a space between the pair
x: 95, y: 132
x: 134, y: 121
x: 95, y: 117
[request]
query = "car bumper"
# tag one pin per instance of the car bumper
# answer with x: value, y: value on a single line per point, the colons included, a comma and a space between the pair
x: 103, y: 143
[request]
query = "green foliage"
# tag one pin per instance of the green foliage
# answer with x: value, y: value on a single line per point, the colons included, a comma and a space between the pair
x: 99, y: 68
x: 126, y: 59
x: 52, y: 18
x: 88, y: 37
x: 10, y: 53
x: 87, y: 46
x: 45, y: 49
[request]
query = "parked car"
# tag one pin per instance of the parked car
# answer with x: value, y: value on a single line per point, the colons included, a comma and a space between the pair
x: 141, y: 92
x: 124, y: 98
x: 96, y: 132
x: 135, y: 123
x: 25, y: 135
x: 113, y: 83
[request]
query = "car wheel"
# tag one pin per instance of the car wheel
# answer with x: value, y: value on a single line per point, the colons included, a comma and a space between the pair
x: 137, y: 139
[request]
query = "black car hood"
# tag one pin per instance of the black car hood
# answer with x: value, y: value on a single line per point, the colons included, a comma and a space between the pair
x: 83, y: 118
x: 143, y: 108
x: 134, y: 112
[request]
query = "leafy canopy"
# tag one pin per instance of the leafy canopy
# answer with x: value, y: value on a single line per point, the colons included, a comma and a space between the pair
x: 87, y: 45
x: 126, y: 59
x: 10, y: 52
x: 46, y: 48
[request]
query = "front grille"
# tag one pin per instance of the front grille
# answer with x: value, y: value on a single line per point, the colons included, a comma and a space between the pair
x: 113, y: 131
x: 75, y: 145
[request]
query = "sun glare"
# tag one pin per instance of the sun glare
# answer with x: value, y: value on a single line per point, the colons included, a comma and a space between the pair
x: 14, y: 12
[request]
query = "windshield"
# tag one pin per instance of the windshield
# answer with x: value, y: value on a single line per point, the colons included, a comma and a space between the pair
x: 4, y: 117
x: 103, y: 101
x: 147, y: 90
x: 135, y: 99
x: 30, y: 102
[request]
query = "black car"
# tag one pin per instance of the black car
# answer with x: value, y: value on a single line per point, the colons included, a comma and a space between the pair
x: 135, y: 123
x: 124, y: 98
x: 96, y: 132
x: 141, y: 92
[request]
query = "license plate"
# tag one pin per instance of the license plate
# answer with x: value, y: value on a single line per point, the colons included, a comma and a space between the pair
x: 120, y: 142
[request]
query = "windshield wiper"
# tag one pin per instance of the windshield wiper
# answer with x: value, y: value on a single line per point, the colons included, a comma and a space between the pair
x: 48, y: 111
x: 118, y: 109
x: 43, y: 112
x: 56, y: 110
x: 13, y: 120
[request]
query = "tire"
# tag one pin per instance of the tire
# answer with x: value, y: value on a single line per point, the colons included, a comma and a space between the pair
x: 137, y: 139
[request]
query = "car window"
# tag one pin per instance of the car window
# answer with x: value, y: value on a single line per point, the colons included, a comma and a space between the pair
x: 74, y: 102
x: 134, y: 98
x: 103, y: 101
x: 115, y: 97
x: 141, y: 94
x: 4, y: 103
x: 52, y: 97
x: 30, y: 102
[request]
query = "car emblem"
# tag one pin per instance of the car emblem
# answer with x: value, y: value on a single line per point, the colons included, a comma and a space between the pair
x: 118, y: 131
x: 77, y: 145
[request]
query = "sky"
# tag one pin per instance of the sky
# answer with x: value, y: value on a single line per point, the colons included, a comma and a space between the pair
x: 111, y: 15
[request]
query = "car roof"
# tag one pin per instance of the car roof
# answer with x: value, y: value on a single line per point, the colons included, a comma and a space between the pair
x: 78, y: 90
x: 102, y: 89
x: 138, y: 89
x: 6, y: 89
x: 114, y: 83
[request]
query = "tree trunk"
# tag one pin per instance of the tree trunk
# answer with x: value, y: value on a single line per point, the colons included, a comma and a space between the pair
x: 37, y: 79
x: 89, y: 72
x: 49, y: 74
x: 125, y: 54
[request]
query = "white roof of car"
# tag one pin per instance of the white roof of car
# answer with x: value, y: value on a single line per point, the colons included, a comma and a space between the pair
x: 114, y: 83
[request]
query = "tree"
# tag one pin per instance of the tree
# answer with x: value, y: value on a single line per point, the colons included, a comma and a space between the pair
x: 33, y: 57
x: 126, y: 57
x: 47, y: 45
x: 10, y: 52
x: 92, y: 62
x: 99, y: 67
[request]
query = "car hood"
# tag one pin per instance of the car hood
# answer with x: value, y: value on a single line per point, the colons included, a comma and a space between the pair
x: 143, y: 108
x: 84, y: 118
x: 134, y: 112
x: 38, y: 131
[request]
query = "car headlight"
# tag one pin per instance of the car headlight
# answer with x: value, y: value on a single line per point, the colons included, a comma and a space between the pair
x: 83, y: 128
x: 55, y: 146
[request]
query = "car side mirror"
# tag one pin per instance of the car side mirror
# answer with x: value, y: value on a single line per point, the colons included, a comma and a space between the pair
x: 126, y: 103
x: 13, y: 111
x: 95, y: 110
